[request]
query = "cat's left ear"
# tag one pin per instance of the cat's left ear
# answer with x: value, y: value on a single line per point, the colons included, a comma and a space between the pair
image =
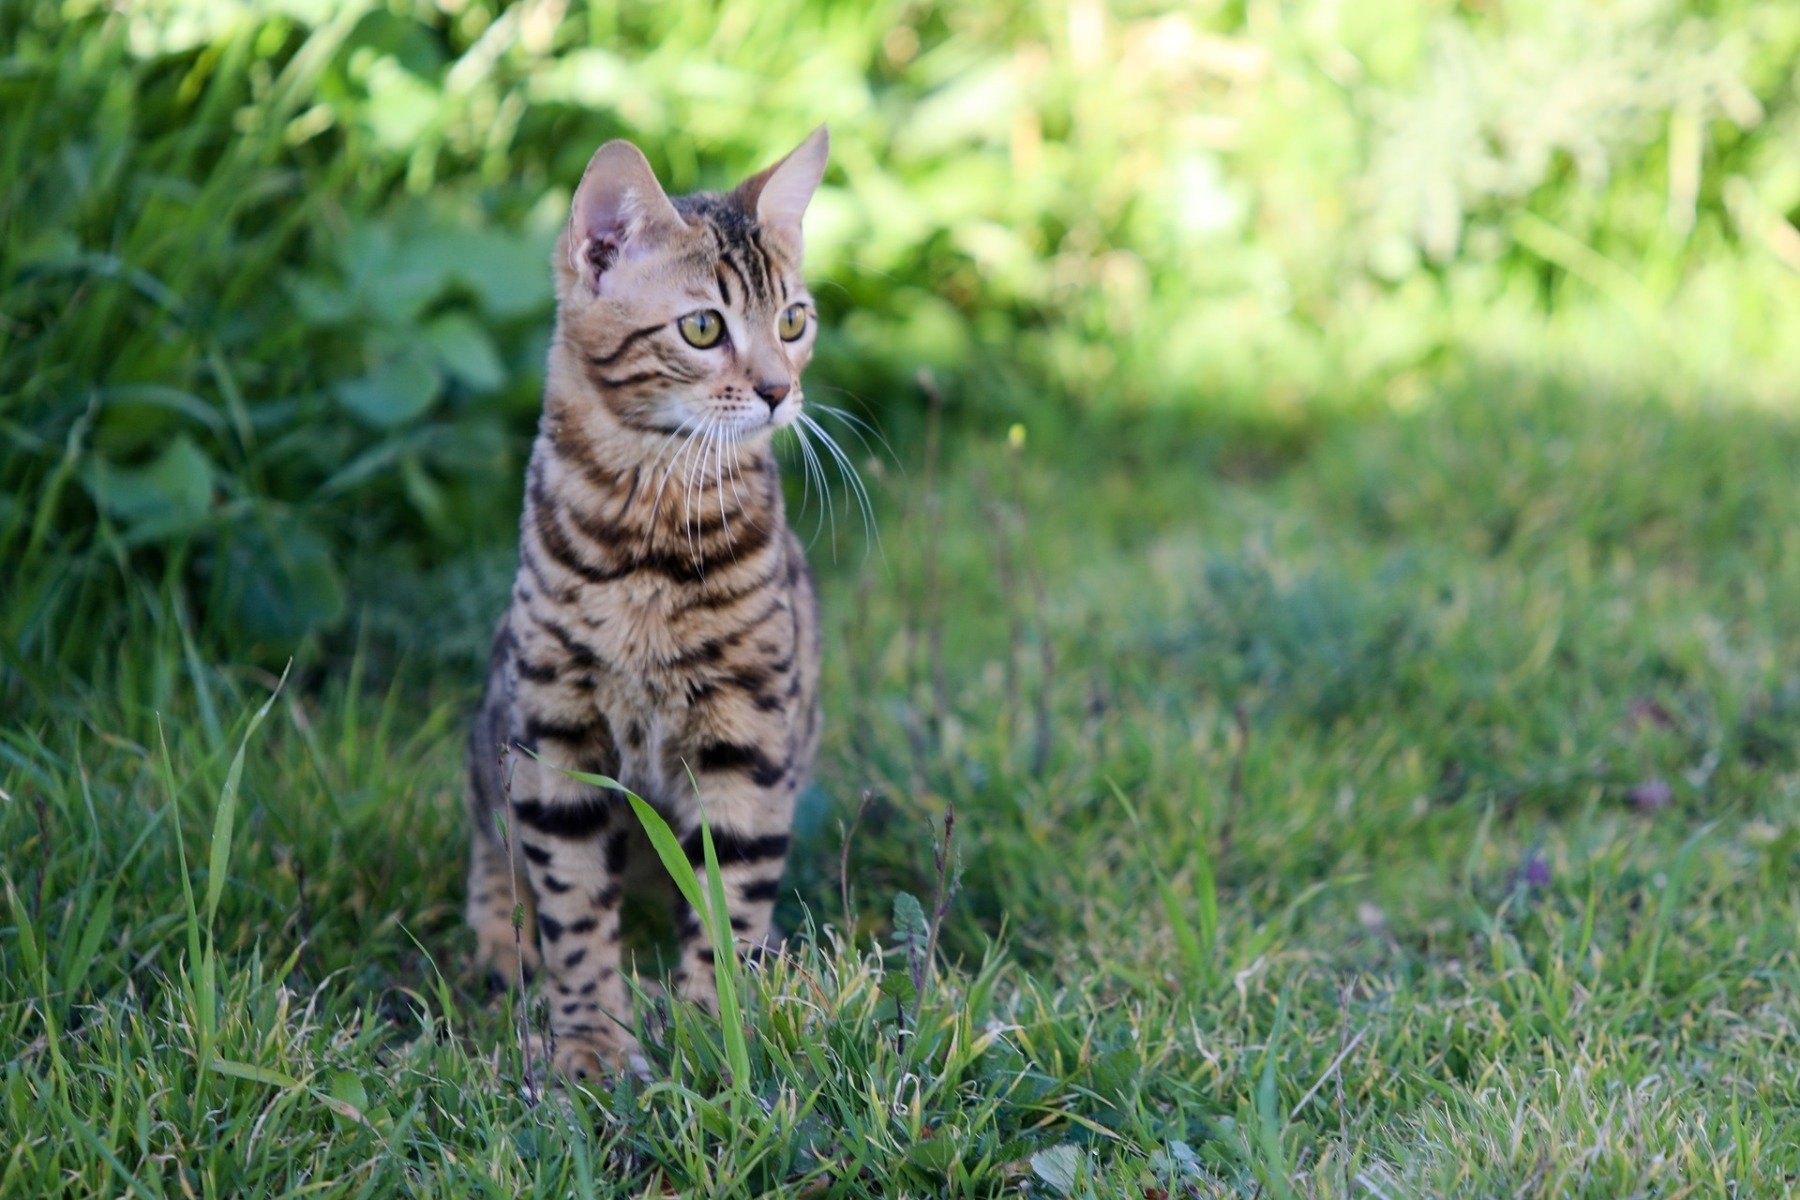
x: 619, y: 210
x: 779, y: 195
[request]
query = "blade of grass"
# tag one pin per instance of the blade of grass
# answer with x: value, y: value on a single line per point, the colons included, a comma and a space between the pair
x: 718, y: 932
x: 1196, y: 939
x: 1678, y: 875
x: 219, y: 854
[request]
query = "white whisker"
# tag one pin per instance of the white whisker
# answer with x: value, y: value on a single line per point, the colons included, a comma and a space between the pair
x: 656, y: 503
x: 737, y: 477
x: 678, y: 468
x: 724, y: 521
x: 805, y: 479
x: 863, y: 423
x: 818, y: 470
x: 693, y: 486
x: 855, y: 481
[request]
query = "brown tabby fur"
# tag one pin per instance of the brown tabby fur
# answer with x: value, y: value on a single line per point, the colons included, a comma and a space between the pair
x: 663, y: 629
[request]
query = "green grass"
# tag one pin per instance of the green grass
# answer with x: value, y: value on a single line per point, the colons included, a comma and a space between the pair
x: 1416, y: 813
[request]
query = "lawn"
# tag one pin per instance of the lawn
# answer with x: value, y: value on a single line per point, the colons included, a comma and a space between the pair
x: 1295, y: 727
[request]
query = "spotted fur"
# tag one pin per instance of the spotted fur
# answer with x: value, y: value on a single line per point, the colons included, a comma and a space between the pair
x: 663, y: 629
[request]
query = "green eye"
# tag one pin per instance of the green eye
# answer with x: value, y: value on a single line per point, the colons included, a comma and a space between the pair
x: 793, y: 322
x: 703, y: 328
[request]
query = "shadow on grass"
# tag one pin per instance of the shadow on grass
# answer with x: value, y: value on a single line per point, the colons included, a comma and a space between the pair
x: 1536, y: 596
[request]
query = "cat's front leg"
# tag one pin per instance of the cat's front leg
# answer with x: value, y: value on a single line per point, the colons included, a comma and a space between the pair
x: 748, y: 800
x: 574, y: 838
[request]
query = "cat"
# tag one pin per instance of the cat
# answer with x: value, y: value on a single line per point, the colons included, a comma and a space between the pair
x: 663, y: 628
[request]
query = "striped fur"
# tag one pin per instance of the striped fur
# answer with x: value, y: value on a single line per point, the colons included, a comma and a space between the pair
x: 663, y: 628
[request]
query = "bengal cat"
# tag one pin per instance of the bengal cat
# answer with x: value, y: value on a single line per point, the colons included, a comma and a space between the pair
x: 663, y: 629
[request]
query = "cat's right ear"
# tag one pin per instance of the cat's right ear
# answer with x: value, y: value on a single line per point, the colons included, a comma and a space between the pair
x: 619, y: 211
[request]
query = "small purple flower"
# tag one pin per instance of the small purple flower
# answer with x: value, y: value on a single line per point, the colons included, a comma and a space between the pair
x: 1535, y: 872
x: 1651, y: 795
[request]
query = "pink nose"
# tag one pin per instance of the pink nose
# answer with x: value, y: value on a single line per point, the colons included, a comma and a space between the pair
x: 772, y: 393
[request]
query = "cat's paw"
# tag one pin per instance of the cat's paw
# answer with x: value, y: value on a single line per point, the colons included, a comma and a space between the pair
x: 578, y: 1062
x: 588, y: 1059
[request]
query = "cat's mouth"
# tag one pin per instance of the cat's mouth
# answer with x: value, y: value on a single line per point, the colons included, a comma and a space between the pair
x: 738, y: 424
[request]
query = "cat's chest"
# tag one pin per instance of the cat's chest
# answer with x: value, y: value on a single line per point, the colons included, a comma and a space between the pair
x: 630, y: 624
x: 648, y: 712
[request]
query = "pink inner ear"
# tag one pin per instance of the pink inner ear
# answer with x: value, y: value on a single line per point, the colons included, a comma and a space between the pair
x: 619, y: 209
x: 600, y: 218
x: 597, y: 232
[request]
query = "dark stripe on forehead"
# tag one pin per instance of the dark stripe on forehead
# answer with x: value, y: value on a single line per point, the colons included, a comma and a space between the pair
x: 737, y: 248
x: 743, y: 285
x: 760, y: 260
x: 771, y: 268
x: 737, y: 240
x: 745, y: 267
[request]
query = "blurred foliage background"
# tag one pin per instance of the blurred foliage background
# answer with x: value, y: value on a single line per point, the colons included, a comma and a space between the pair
x: 273, y: 281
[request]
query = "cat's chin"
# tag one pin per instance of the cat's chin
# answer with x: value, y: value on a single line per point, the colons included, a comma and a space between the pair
x: 755, y: 430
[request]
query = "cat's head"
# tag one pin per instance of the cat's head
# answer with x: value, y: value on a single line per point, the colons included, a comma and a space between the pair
x: 689, y: 313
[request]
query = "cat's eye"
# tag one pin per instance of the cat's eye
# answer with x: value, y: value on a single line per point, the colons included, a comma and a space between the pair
x: 703, y: 328
x: 793, y: 322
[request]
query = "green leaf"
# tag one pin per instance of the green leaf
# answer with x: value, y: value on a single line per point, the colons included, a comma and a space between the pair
x: 425, y: 493
x: 662, y: 840
x: 1206, y: 895
x: 1059, y: 1167
x: 347, y: 1099
x: 936, y: 1155
x: 400, y: 390
x: 506, y: 272
x: 87, y: 947
x: 1113, y: 1074
x: 464, y: 350
x: 160, y: 396
x: 375, y: 460
x: 718, y: 933
x: 1194, y: 939
x: 30, y: 952
x: 1178, y: 1159
x: 402, y: 107
x: 280, y: 579
x: 911, y: 930
x: 899, y: 985
x: 174, y: 489
x: 320, y: 302
x: 254, y: 1073
x: 347, y: 1087
x: 72, y: 1120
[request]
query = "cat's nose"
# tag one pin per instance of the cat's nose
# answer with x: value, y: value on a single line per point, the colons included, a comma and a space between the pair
x: 772, y: 393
